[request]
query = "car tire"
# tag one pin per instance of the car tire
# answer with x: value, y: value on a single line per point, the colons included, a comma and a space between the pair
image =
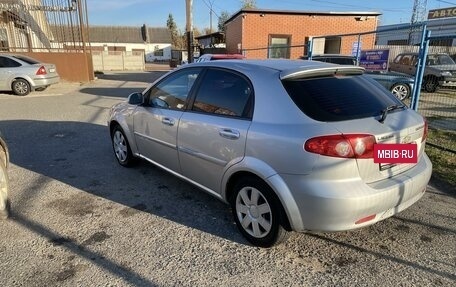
x: 21, y: 87
x: 121, y: 147
x: 4, y: 187
x: 400, y: 91
x: 40, y: 89
x: 431, y: 84
x: 258, y: 212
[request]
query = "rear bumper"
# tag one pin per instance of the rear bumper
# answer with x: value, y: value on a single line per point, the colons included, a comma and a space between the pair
x: 44, y: 82
x: 336, y: 205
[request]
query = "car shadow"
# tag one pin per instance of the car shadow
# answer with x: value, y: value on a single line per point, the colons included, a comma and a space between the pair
x: 145, y: 77
x: 80, y: 155
x: 121, y: 85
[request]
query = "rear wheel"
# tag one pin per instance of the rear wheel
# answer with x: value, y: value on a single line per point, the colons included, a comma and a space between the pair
x: 400, y: 91
x: 4, y: 203
x: 122, y: 148
x: 21, y: 87
x: 258, y: 212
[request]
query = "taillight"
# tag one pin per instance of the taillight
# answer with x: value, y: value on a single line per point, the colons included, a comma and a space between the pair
x: 41, y: 71
x: 345, y: 146
x: 425, y: 131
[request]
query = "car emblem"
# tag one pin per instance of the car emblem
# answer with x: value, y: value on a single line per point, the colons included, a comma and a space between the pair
x: 406, y: 140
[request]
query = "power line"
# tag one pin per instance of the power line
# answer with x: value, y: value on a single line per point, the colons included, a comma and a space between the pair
x: 446, y: 2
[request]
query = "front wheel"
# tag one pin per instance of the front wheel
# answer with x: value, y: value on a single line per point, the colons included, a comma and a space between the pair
x: 431, y: 84
x: 21, y: 87
x: 400, y: 91
x: 4, y: 203
x: 122, y: 148
x: 258, y: 213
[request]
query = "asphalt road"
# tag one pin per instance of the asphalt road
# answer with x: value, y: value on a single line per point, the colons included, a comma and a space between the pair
x: 80, y: 219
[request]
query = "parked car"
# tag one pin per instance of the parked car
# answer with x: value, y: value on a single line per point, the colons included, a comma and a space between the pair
x: 21, y: 74
x: 288, y: 144
x: 4, y: 160
x: 440, y: 69
x: 401, y: 85
x: 213, y: 57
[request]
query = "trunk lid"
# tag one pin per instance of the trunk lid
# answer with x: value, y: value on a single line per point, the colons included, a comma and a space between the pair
x: 401, y: 126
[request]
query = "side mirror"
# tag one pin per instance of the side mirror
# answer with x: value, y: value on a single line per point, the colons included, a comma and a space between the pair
x: 136, y: 99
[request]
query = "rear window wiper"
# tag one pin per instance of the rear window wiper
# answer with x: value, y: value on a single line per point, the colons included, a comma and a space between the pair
x: 388, y: 109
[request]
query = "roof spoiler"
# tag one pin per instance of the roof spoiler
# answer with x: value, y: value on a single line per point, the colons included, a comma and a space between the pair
x: 299, y: 73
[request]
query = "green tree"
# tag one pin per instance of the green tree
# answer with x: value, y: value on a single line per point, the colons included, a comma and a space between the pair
x: 222, y: 19
x: 172, y: 27
x: 248, y: 4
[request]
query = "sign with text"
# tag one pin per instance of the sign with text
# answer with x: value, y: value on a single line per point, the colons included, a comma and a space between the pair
x: 395, y: 153
x: 356, y: 48
x: 442, y: 13
x: 374, y: 60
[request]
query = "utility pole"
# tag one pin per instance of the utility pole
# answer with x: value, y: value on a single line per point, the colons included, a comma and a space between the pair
x: 210, y: 8
x: 189, y: 14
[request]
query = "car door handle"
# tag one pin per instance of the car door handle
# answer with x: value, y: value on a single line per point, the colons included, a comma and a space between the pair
x: 168, y: 121
x: 229, y: 134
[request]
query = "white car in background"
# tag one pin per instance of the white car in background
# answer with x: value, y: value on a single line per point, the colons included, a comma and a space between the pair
x: 21, y: 74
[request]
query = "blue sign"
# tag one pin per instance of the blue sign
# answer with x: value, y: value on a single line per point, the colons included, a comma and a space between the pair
x: 356, y: 48
x: 374, y: 60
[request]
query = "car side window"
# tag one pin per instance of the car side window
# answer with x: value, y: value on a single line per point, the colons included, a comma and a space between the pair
x: 407, y: 60
x: 224, y: 93
x: 172, y: 92
x: 8, y: 63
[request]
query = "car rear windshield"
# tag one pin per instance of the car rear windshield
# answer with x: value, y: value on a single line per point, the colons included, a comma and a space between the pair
x: 26, y: 59
x: 339, y: 98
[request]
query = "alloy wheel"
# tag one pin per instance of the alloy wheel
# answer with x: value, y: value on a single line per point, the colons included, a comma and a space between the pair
x: 120, y: 146
x: 400, y: 91
x: 254, y: 212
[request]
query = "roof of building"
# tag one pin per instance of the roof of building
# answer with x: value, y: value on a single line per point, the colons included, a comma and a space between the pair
x: 128, y: 34
x: 215, y: 34
x: 114, y: 34
x: 297, y: 12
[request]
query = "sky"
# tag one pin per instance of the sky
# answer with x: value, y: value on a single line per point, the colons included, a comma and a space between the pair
x: 154, y: 13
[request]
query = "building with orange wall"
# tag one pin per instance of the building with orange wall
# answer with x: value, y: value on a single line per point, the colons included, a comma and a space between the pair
x: 263, y: 33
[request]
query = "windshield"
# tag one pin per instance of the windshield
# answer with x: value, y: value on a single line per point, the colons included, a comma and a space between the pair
x: 442, y: 59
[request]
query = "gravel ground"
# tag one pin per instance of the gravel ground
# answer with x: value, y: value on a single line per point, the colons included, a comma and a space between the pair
x: 80, y: 219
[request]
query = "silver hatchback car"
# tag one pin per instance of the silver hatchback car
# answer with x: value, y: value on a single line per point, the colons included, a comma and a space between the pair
x: 288, y: 144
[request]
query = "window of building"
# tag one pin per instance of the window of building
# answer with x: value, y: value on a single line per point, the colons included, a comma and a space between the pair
x: 279, y: 46
x: 398, y: 42
x: 157, y: 51
x: 3, y: 40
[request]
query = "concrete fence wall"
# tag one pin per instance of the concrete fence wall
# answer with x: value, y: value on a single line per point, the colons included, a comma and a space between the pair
x: 118, y: 61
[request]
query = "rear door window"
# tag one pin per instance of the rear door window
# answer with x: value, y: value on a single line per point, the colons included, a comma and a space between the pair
x: 8, y: 63
x: 224, y: 93
x: 339, y: 98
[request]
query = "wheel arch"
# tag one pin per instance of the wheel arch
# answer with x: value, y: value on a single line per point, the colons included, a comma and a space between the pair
x: 4, y: 149
x: 115, y: 123
x: 22, y: 77
x: 292, y: 216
